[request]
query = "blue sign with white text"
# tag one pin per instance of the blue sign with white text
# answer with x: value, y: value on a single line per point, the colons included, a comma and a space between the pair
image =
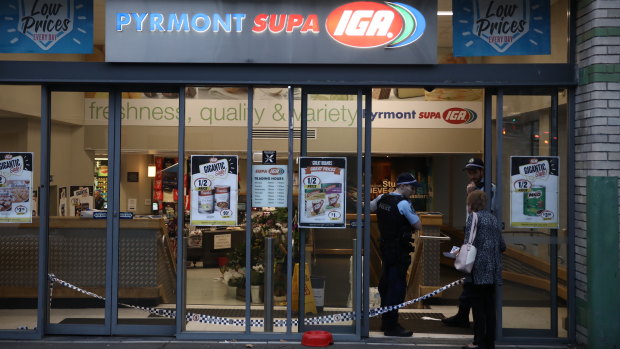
x: 501, y: 27
x: 46, y: 26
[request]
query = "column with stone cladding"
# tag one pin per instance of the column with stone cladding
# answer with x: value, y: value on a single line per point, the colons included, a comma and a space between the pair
x: 597, y: 124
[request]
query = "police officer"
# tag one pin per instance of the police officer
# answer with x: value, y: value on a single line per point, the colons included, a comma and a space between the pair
x: 396, y: 219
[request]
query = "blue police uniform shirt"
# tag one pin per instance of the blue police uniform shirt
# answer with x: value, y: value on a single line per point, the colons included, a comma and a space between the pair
x: 404, y: 207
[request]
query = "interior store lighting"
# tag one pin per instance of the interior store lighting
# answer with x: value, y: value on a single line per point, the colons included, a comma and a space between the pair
x: 151, y: 170
x: 444, y: 13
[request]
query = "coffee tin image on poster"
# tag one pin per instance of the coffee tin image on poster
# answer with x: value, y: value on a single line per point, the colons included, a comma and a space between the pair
x: 321, y: 183
x: 534, y: 196
x: 214, y: 190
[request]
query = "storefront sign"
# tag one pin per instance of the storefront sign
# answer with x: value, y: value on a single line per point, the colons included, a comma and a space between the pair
x: 534, y: 191
x: 273, y: 113
x: 46, y: 26
x: 269, y: 186
x: 322, y: 187
x: 214, y: 190
x: 496, y: 28
x: 16, y: 188
x: 279, y: 31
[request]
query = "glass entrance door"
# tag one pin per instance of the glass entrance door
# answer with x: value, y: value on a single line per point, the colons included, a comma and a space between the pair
x: 530, y: 171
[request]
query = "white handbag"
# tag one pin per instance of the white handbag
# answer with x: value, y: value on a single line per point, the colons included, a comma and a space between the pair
x: 467, y: 255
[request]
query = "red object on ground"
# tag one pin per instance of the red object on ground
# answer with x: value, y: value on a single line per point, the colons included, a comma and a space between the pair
x: 221, y: 261
x: 317, y: 339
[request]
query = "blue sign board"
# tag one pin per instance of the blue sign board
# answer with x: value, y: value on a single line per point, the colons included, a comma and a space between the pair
x: 501, y: 27
x: 46, y: 26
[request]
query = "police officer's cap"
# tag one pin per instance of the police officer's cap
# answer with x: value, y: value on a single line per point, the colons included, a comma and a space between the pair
x: 474, y: 163
x: 407, y: 178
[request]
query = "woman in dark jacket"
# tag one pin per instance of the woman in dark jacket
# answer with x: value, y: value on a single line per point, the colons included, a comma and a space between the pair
x: 487, y: 270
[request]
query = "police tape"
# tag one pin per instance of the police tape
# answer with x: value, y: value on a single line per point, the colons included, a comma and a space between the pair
x: 216, y: 320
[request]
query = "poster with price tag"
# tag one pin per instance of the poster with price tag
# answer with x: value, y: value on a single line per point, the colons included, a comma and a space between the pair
x: 214, y: 190
x: 322, y: 192
x: 16, y: 187
x: 534, y: 200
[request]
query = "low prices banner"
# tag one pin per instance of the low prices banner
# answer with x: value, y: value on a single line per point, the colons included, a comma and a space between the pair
x: 214, y: 190
x: 16, y: 187
x: 500, y: 28
x: 322, y: 192
x: 534, y: 191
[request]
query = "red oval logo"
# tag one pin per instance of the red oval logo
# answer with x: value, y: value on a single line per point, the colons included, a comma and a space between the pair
x: 457, y: 116
x: 364, y: 24
x: 276, y: 171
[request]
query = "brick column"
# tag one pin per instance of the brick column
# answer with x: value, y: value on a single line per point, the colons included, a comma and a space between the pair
x: 597, y: 127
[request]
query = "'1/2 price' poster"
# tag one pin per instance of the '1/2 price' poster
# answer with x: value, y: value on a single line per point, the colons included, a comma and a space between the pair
x: 534, y: 191
x: 322, y: 192
x: 214, y: 190
x: 16, y: 187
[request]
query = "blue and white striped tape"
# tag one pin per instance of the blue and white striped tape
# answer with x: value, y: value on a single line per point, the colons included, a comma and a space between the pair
x: 216, y: 320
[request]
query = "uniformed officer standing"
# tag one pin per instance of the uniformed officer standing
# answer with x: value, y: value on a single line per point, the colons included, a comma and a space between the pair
x: 396, y: 219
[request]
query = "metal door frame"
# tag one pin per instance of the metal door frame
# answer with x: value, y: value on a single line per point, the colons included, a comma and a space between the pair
x: 110, y: 326
x: 551, y: 334
x: 361, y: 252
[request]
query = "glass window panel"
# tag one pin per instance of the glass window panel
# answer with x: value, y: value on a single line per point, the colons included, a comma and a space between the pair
x: 216, y: 128
x: 147, y: 267
x: 527, y: 303
x: 20, y: 112
x: 77, y: 242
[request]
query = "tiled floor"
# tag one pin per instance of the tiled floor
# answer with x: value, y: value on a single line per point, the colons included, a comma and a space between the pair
x: 205, y: 289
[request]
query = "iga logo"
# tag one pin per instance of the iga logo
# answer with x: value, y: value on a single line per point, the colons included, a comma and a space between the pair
x: 365, y: 24
x: 276, y: 171
x: 457, y: 116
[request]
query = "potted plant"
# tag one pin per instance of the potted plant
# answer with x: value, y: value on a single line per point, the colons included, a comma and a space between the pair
x: 234, y: 279
x: 257, y: 276
x: 239, y: 284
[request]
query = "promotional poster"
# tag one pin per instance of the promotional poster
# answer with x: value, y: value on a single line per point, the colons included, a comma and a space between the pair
x: 46, y: 26
x: 534, y: 191
x: 322, y: 192
x: 16, y: 188
x: 269, y: 186
x: 214, y: 190
x: 501, y: 28
x: 75, y: 199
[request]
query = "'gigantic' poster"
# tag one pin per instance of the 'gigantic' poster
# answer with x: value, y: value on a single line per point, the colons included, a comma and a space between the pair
x: 322, y: 192
x: 214, y: 190
x: 534, y: 191
x: 16, y: 187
